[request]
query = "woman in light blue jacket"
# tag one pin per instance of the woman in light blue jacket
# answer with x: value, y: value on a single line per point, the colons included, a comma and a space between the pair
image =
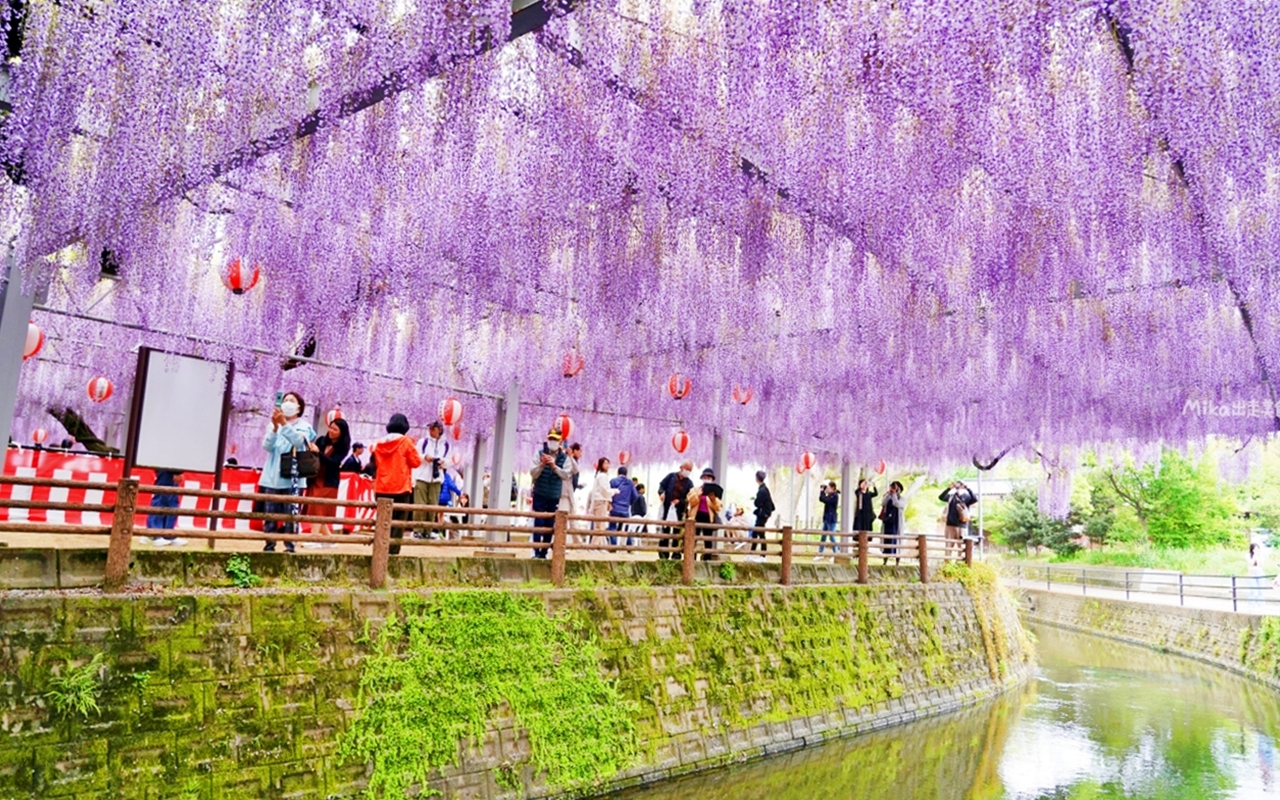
x: 288, y: 433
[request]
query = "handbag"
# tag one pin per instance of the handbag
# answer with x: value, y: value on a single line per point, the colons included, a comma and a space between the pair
x: 307, y: 461
x: 883, y: 509
x: 963, y: 513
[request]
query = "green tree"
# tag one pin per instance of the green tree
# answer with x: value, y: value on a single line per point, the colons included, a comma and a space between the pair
x: 1020, y: 524
x: 1181, y: 502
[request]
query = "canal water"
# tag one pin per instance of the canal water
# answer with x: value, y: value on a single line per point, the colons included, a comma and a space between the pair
x: 1100, y: 720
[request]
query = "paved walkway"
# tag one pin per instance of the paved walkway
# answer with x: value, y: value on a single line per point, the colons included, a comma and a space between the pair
x: 1250, y: 598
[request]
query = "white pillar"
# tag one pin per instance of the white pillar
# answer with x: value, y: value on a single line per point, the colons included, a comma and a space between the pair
x: 475, y: 484
x: 504, y: 445
x: 15, y: 313
x: 847, y: 495
x: 720, y: 458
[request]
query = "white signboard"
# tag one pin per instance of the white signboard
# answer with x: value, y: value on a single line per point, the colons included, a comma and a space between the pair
x: 181, y: 415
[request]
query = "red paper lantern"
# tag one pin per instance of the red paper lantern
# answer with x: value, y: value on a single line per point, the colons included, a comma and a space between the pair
x: 239, y: 278
x: 624, y: 457
x: 880, y: 468
x: 39, y: 435
x: 451, y: 411
x: 35, y: 341
x: 332, y: 415
x: 679, y: 386
x: 743, y: 395
x: 680, y: 441
x: 456, y: 431
x: 100, y: 388
x: 563, y: 424
x: 809, y: 460
x: 232, y: 448
x: 800, y: 468
x: 572, y: 363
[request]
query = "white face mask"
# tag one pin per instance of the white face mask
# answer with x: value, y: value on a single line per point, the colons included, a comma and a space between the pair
x: 553, y: 445
x: 289, y: 408
x: 684, y: 473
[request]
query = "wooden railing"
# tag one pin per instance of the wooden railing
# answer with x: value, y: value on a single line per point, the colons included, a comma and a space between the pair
x: 571, y: 535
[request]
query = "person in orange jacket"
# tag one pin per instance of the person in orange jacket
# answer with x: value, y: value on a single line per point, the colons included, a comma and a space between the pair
x: 395, y: 458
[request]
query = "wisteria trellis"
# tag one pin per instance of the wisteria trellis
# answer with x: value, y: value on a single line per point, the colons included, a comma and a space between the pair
x: 921, y: 231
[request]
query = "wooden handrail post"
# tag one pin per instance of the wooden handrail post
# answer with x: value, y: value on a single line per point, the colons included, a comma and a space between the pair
x: 968, y: 552
x: 687, y: 551
x: 121, y: 542
x: 922, y: 544
x: 381, y: 543
x: 786, y: 555
x: 862, y: 556
x: 559, y: 538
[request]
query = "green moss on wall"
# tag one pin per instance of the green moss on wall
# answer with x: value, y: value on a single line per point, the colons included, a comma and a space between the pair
x: 983, y: 585
x: 736, y: 656
x: 1260, y: 649
x: 248, y: 695
x: 439, y: 671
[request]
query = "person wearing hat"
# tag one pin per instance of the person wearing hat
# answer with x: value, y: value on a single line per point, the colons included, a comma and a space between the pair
x: 429, y: 478
x: 395, y: 459
x: 552, y: 475
x: 705, y: 502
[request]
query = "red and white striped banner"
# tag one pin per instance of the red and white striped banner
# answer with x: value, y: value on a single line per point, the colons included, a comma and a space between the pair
x: 107, y: 471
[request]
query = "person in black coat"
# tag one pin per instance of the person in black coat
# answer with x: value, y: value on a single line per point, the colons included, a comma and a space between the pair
x: 958, y: 499
x: 764, y: 510
x: 640, y: 508
x: 864, y: 507
x: 352, y: 462
x: 829, y: 497
x: 672, y: 492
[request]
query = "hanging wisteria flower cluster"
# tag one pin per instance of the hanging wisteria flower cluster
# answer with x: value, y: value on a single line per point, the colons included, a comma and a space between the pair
x: 916, y: 231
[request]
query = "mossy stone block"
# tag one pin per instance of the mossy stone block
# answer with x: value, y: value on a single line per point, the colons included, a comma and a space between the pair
x: 28, y: 569
x: 242, y: 784
x: 74, y: 769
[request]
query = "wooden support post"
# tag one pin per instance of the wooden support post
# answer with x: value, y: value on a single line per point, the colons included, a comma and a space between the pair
x: 559, y: 538
x: 968, y: 552
x: 381, y: 543
x: 862, y: 556
x: 121, y: 542
x: 690, y: 536
x: 786, y: 555
x: 922, y: 543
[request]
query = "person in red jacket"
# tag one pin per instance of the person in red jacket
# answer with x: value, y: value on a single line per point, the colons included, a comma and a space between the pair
x: 395, y: 458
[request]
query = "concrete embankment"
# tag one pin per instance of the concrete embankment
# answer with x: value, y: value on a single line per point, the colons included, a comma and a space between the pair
x: 478, y: 693
x: 1247, y: 644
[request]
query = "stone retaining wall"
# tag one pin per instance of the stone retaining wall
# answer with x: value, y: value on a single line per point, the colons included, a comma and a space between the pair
x: 40, y: 568
x: 245, y: 695
x: 1246, y: 644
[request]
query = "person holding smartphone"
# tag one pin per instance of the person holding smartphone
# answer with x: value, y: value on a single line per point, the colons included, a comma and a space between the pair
x: 288, y: 432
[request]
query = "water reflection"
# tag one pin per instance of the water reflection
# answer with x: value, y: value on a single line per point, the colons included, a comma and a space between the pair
x: 1101, y: 720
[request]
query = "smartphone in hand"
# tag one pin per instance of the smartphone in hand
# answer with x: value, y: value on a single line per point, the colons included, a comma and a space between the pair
x: 279, y: 399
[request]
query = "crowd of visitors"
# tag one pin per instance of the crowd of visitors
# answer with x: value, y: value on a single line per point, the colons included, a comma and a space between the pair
x: 299, y: 464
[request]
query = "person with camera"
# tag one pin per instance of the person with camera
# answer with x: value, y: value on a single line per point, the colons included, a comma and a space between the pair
x: 428, y: 479
x: 958, y: 499
x: 289, y: 463
x: 829, y: 496
x: 552, y: 488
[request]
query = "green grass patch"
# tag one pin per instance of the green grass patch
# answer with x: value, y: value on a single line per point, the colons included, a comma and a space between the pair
x: 439, y: 671
x: 1211, y: 561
